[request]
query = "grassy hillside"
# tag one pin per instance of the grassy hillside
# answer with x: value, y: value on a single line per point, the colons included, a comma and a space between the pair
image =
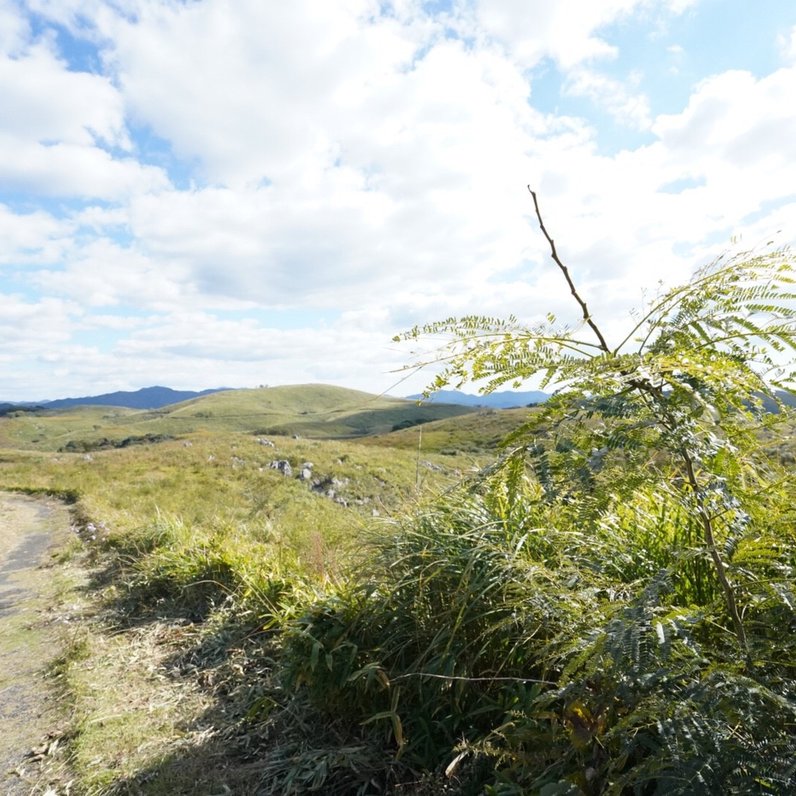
x: 51, y: 430
x: 482, y: 431
x: 212, y: 480
x: 316, y: 411
x: 475, y: 432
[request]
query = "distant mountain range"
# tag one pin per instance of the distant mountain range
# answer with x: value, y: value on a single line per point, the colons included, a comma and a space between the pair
x: 145, y: 398
x: 496, y: 400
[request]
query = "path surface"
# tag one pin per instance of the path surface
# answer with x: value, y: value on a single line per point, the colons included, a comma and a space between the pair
x: 30, y: 530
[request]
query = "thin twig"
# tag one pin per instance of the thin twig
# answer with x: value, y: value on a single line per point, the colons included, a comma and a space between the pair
x: 557, y: 260
x: 474, y: 679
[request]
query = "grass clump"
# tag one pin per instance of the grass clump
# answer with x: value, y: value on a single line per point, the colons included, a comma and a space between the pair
x: 450, y: 625
x: 199, y: 569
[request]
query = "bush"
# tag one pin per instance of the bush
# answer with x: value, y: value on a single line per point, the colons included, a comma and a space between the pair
x: 610, y: 609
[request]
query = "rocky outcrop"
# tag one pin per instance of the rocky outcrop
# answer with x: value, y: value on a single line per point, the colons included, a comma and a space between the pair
x: 283, y: 466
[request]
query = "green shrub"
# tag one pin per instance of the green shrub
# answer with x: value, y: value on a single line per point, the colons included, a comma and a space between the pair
x: 611, y: 608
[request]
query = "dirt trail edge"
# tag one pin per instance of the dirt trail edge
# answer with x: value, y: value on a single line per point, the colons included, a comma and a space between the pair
x: 33, y: 585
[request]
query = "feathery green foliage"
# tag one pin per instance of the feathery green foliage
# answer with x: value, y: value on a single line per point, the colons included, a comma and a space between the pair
x: 676, y: 399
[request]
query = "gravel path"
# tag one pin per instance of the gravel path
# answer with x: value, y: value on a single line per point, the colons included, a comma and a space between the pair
x: 30, y: 530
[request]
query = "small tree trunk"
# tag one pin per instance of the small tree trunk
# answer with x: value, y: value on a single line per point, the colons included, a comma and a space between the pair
x: 718, y: 561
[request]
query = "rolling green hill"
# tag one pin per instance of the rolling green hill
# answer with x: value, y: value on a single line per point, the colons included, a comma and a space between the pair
x: 313, y: 410
x: 475, y: 432
x: 482, y: 431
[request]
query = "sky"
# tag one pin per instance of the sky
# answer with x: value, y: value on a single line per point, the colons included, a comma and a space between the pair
x: 242, y: 192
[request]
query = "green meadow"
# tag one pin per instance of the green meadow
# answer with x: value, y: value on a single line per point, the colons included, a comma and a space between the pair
x: 211, y: 465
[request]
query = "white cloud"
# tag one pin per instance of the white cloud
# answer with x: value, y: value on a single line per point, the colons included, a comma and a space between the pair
x: 739, y: 133
x: 98, y: 219
x: 44, y: 101
x: 361, y: 167
x: 200, y: 349
x: 103, y: 273
x: 787, y: 45
x: 14, y: 28
x: 59, y: 128
x: 680, y: 6
x: 31, y: 238
x: 397, y: 197
x: 565, y: 31
x: 250, y: 94
x: 33, y: 327
x: 73, y: 170
x: 626, y: 106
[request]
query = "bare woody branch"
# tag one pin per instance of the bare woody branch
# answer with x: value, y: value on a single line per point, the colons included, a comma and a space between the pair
x: 557, y: 260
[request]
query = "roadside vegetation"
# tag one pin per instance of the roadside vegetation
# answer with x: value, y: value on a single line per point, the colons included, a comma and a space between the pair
x: 603, y: 604
x: 609, y: 608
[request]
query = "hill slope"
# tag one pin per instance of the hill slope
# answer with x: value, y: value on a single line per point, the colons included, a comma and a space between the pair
x: 475, y: 432
x: 311, y: 410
